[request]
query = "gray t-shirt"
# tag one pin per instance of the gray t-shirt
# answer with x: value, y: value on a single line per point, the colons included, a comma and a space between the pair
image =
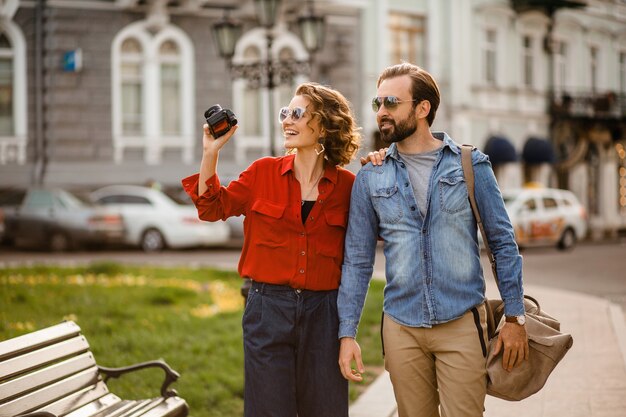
x: 419, y: 166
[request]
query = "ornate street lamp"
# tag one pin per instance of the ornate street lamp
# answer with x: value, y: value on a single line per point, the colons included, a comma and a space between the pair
x: 269, y: 73
x: 226, y: 33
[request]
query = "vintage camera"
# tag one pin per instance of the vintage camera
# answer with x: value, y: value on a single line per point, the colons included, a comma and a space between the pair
x: 219, y: 120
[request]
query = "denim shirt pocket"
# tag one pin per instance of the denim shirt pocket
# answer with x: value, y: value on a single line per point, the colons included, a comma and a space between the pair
x: 387, y: 202
x: 453, y: 196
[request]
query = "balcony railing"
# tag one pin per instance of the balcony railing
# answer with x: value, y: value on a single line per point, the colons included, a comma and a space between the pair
x: 607, y: 106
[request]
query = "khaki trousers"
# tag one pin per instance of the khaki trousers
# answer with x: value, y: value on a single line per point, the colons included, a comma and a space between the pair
x: 439, y: 367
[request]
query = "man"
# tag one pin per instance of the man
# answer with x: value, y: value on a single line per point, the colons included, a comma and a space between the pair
x: 416, y: 201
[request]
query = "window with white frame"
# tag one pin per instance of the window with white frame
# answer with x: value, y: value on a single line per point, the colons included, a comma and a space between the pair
x: 6, y: 86
x: 153, y: 100
x: 169, y: 56
x: 407, y: 36
x: 561, y: 67
x: 490, y: 56
x: 622, y: 72
x: 528, y: 61
x: 594, y: 58
x: 132, y: 70
x: 13, y: 81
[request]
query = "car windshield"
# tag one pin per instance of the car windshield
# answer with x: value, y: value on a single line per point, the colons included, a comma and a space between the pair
x: 69, y: 200
x: 178, y: 196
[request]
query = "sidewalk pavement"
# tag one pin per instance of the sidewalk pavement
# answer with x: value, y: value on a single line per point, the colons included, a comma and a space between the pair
x: 590, y: 381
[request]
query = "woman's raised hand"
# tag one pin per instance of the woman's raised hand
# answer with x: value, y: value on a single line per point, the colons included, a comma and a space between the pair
x: 210, y: 144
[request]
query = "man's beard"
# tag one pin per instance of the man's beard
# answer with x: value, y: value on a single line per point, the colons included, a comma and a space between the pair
x: 399, y: 131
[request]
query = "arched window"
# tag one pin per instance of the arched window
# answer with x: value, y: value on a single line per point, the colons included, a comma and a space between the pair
x: 132, y: 87
x: 153, y: 100
x: 13, y: 124
x: 6, y: 86
x: 171, y: 99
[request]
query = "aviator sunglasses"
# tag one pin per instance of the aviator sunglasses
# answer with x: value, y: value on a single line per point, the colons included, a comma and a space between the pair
x: 390, y: 102
x: 296, y: 113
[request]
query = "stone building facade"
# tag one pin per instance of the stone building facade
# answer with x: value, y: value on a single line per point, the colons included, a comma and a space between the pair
x: 150, y: 68
x: 133, y: 110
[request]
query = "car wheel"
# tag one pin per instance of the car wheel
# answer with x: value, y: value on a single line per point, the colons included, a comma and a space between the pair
x: 152, y: 241
x: 568, y: 239
x: 59, y: 242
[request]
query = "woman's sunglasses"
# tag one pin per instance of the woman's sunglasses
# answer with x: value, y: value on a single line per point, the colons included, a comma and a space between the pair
x: 390, y: 102
x: 296, y: 113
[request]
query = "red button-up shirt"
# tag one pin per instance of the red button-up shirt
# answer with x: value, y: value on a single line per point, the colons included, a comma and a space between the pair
x: 278, y: 248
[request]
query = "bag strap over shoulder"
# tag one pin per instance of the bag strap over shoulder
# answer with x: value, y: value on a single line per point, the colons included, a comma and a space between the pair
x: 468, y: 172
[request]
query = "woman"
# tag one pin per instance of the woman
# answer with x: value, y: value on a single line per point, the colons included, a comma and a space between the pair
x: 295, y: 209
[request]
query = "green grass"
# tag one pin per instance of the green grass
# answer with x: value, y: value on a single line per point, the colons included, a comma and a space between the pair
x: 191, y: 318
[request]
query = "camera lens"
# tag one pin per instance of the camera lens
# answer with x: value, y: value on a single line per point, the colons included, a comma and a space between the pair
x: 212, y: 110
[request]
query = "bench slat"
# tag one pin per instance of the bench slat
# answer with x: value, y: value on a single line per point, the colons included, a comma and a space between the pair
x: 171, y: 407
x: 50, y: 393
x: 114, y: 410
x: 39, y: 338
x: 40, y: 357
x: 46, y: 376
x: 130, y: 408
x: 75, y: 401
x: 107, y: 404
x: 146, y: 406
x: 53, y: 370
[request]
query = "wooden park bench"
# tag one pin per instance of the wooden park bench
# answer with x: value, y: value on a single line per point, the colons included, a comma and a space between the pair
x: 51, y: 372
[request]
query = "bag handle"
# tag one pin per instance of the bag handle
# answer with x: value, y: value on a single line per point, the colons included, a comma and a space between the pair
x: 468, y: 172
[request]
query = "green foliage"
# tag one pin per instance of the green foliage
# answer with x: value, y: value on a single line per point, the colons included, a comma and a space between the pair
x: 191, y: 318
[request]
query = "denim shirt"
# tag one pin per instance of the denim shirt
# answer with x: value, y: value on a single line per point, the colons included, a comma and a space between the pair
x: 433, y: 267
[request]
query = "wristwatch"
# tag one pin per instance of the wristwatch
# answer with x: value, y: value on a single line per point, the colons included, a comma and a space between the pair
x: 521, y: 320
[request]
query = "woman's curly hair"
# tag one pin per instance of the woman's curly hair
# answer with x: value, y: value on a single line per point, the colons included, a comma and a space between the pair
x: 342, y: 138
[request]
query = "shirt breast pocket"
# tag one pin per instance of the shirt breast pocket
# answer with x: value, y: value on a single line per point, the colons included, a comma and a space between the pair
x: 387, y: 202
x: 453, y: 196
x: 266, y: 220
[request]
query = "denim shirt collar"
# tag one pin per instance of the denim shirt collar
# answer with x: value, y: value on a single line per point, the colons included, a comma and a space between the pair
x: 392, y: 152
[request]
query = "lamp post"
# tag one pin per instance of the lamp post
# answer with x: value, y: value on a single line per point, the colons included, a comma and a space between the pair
x: 269, y: 73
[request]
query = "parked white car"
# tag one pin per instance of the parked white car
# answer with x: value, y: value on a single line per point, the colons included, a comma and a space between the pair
x: 546, y: 217
x: 235, y: 223
x: 155, y: 221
